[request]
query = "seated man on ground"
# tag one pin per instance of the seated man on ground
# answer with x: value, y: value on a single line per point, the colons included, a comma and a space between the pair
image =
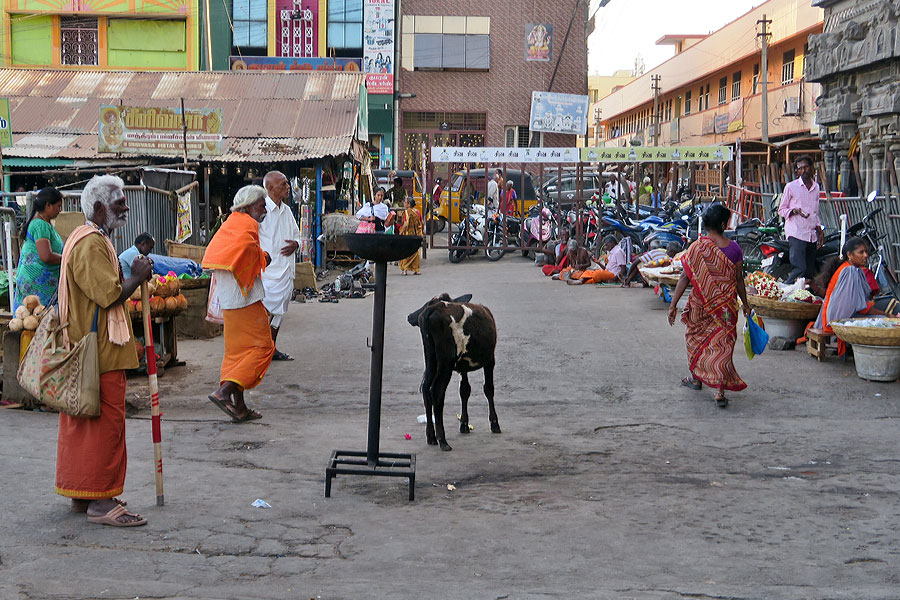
x: 615, y: 266
x: 556, y: 254
x: 652, y: 255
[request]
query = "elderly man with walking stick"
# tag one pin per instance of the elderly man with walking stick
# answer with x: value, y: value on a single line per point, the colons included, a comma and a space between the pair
x: 91, y: 456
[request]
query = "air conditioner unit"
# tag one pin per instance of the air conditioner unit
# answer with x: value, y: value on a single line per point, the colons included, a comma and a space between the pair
x: 791, y: 106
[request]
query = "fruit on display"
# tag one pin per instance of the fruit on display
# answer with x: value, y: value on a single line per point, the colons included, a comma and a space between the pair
x: 28, y: 315
x: 31, y: 322
x: 16, y: 324
x: 31, y: 302
x: 182, y: 301
x: 22, y: 312
x: 171, y: 303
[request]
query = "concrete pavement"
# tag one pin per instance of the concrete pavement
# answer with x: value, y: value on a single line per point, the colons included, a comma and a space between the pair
x: 610, y: 480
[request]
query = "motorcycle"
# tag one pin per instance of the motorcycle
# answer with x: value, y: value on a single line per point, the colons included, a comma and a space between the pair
x: 496, y: 242
x: 470, y: 233
x: 540, y: 227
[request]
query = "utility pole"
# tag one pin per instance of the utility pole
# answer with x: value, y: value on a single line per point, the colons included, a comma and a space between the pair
x: 597, y: 125
x: 764, y: 75
x: 655, y: 88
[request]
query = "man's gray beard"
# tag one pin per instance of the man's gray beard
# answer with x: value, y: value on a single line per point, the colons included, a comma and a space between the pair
x: 113, y: 222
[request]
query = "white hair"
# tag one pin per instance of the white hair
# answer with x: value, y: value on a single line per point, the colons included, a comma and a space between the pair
x: 246, y: 197
x: 100, y: 188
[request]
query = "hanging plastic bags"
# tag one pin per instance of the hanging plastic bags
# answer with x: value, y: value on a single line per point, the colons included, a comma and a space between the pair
x: 755, y: 336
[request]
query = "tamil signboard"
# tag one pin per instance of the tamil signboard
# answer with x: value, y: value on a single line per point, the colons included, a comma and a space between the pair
x: 658, y: 154
x: 145, y: 130
x: 378, y: 46
x: 285, y: 63
x: 538, y: 42
x: 503, y: 155
x: 5, y: 125
x: 559, y: 113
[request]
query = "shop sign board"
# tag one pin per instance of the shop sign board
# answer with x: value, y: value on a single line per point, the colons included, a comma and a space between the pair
x: 287, y: 63
x: 559, y: 113
x: 5, y: 125
x: 658, y: 154
x: 538, y: 42
x: 378, y: 46
x: 151, y: 130
x: 503, y: 155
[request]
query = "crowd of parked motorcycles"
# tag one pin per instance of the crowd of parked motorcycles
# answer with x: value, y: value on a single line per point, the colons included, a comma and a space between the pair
x: 678, y: 220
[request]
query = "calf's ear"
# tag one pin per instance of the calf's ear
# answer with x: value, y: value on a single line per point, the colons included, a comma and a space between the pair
x: 463, y: 298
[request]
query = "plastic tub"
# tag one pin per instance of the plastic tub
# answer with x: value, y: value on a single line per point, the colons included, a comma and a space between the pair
x: 877, y: 363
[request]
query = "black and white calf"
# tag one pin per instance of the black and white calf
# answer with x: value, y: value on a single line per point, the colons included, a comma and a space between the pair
x: 457, y: 336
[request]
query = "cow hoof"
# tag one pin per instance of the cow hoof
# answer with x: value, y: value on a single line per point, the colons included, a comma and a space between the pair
x: 495, y: 428
x: 446, y: 447
x: 464, y: 428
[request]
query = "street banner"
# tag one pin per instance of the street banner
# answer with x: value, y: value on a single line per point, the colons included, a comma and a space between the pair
x: 183, y: 229
x: 658, y: 154
x: 538, y: 42
x: 503, y: 155
x: 5, y: 125
x: 378, y: 46
x: 144, y: 130
x: 736, y: 115
x: 285, y: 63
x: 559, y: 113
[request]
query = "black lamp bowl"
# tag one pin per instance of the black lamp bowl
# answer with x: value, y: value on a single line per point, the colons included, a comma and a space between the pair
x: 381, y: 247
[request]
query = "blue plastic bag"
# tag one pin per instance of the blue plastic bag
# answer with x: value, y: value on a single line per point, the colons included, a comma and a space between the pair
x: 755, y: 336
x: 180, y: 266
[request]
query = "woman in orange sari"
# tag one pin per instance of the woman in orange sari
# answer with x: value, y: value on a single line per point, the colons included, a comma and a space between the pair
x: 412, y: 225
x: 713, y: 266
x: 848, y: 293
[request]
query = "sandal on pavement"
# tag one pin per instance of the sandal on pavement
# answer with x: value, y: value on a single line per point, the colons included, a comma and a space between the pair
x: 279, y: 355
x: 223, y: 406
x: 80, y: 505
x: 251, y: 415
x: 721, y: 401
x: 112, y: 518
x: 694, y: 385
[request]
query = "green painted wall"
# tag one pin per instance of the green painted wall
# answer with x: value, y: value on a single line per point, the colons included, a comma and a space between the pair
x: 220, y: 30
x: 29, y: 40
x: 146, y: 44
x: 381, y: 119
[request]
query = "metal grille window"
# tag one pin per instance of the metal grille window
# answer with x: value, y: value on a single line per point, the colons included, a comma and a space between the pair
x: 787, y: 68
x: 736, y: 86
x: 687, y: 102
x: 444, y: 121
x: 79, y: 41
x: 250, y: 21
x: 520, y: 137
x: 345, y: 24
x: 723, y: 90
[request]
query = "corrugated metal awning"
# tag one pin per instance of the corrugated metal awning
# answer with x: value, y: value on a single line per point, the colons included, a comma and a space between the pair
x: 282, y: 116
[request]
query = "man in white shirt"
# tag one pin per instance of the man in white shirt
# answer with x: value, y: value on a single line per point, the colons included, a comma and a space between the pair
x: 493, y: 193
x: 279, y: 235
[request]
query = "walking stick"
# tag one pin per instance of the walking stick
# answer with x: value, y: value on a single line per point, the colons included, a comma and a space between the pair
x: 154, y: 392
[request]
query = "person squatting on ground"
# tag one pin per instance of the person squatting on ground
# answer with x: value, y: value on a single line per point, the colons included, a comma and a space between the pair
x: 800, y: 209
x: 91, y: 456
x: 279, y: 237
x: 713, y: 265
x: 614, y: 270
x: 239, y: 261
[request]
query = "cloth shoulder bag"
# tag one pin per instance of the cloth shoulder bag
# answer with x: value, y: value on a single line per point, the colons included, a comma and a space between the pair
x: 64, y: 379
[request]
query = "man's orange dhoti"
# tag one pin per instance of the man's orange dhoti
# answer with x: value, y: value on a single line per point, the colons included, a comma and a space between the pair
x: 90, y: 453
x: 248, y: 345
x: 595, y: 276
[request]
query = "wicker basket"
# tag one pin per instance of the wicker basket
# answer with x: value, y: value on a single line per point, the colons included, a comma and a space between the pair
x: 778, y: 309
x: 194, y: 284
x: 871, y: 336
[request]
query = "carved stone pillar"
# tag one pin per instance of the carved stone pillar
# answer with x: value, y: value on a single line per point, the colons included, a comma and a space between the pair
x: 844, y: 167
x: 894, y: 145
x: 875, y: 182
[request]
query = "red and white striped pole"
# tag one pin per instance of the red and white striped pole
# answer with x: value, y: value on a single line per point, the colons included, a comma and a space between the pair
x: 154, y: 393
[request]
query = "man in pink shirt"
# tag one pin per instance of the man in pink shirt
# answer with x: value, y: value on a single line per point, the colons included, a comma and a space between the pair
x: 800, y: 209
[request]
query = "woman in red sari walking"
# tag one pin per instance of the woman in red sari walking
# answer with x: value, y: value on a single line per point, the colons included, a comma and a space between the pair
x: 713, y: 265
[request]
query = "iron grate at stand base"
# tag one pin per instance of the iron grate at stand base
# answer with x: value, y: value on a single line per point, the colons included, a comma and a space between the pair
x: 389, y: 464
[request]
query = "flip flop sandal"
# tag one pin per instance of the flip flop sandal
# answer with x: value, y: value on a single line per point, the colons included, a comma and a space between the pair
x: 80, y: 506
x: 251, y: 415
x: 111, y: 518
x: 223, y: 406
x: 281, y: 356
x: 722, y: 402
x: 691, y: 384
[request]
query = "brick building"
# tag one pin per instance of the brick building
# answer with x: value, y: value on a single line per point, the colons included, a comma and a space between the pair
x: 472, y: 74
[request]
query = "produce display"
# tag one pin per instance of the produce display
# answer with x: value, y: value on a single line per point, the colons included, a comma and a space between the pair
x: 164, y: 295
x: 660, y: 262
x: 803, y: 296
x: 28, y: 315
x: 880, y: 322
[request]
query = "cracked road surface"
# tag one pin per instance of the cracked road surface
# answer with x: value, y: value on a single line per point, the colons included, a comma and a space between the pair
x: 610, y: 480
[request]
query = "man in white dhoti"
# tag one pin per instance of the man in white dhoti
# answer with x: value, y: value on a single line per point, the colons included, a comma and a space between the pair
x: 279, y: 235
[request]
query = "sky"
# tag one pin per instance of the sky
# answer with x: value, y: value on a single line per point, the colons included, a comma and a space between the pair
x: 627, y: 28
